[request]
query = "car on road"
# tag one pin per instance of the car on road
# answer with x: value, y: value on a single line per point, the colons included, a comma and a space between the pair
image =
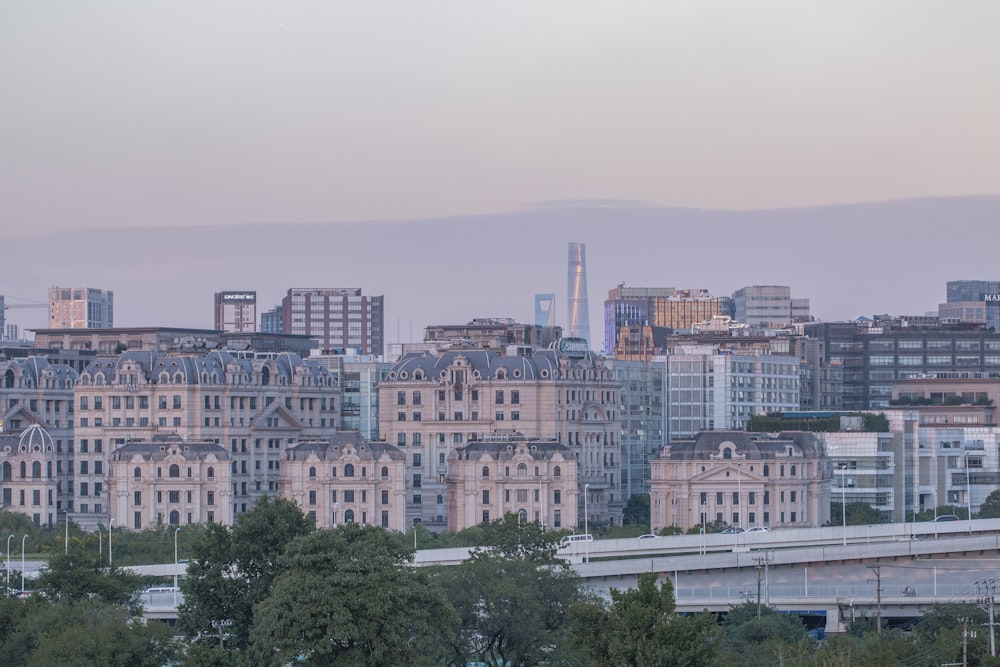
x: 647, y: 536
x: 947, y: 517
x: 733, y: 530
x: 757, y: 529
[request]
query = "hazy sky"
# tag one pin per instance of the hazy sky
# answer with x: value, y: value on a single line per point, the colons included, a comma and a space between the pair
x: 174, y: 112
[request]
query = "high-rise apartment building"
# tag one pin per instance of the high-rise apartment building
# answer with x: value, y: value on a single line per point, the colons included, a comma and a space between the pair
x: 236, y: 311
x: 768, y: 306
x: 339, y: 318
x: 80, y: 308
x: 545, y: 310
x: 576, y: 289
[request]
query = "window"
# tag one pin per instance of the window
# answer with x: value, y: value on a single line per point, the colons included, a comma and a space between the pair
x: 400, y: 398
x: 401, y: 416
x: 416, y: 398
x: 312, y: 472
x: 312, y: 497
x: 83, y: 467
x: 794, y: 495
x: 174, y: 497
x: 349, y: 496
x: 486, y: 471
x: 417, y: 459
x: 557, y: 497
x: 417, y: 499
x: 515, y: 397
x: 210, y: 498
x: 515, y: 415
x: 718, y: 497
x: 557, y: 519
x: 385, y: 497
x: 416, y: 416
x: 211, y: 473
x: 499, y: 397
x: 486, y: 496
x: 416, y: 480
x: 736, y: 498
x: 349, y: 470
x: 136, y: 472
x: 175, y: 470
x: 499, y: 416
x: 703, y: 500
x: 557, y: 472
x: 486, y: 516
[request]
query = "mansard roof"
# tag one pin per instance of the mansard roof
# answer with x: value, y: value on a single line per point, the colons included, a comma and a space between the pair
x: 160, y: 446
x: 35, y: 368
x: 340, y: 443
x: 486, y: 364
x: 211, y: 367
x: 710, y: 444
x: 501, y: 449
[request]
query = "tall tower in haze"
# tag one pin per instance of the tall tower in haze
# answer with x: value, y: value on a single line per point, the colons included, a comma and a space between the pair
x: 576, y: 290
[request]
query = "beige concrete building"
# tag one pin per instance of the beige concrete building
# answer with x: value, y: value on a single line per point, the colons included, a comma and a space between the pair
x: 252, y: 406
x: 740, y: 479
x: 28, y: 480
x: 432, y: 404
x: 81, y: 308
x: 346, y: 479
x: 168, y: 481
x: 534, y: 479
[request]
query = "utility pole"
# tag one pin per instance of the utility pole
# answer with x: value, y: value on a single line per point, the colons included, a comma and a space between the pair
x: 761, y: 567
x: 989, y: 589
x: 877, y: 569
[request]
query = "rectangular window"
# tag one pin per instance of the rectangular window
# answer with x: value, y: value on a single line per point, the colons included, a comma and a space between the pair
x: 499, y: 416
x: 416, y: 480
x: 210, y: 498
x: 416, y: 439
x: 486, y: 496
x: 557, y: 519
x: 137, y: 498
x: 499, y: 400
x: 84, y: 489
x: 522, y: 495
x: 794, y: 494
x: 312, y: 497
x: 752, y: 498
x: 703, y: 499
x: 515, y: 415
x: 416, y: 398
x: 349, y: 496
x: 718, y: 497
x: 417, y: 459
x: 557, y: 497
x: 401, y: 416
x: 401, y: 439
x: 385, y: 497
x: 174, y: 497
x: 486, y: 516
x: 736, y: 498
x: 515, y: 397
x: 400, y: 398
x: 416, y: 416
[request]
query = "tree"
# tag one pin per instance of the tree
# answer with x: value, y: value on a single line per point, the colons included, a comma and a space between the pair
x: 749, y: 634
x: 511, y: 598
x: 640, y: 628
x: 348, y: 596
x: 637, y: 510
x: 990, y: 509
x: 78, y: 576
x: 233, y: 569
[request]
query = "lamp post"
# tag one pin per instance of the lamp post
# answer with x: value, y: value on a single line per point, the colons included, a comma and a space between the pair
x: 9, y: 538
x: 739, y: 495
x: 23, y: 539
x: 176, y: 562
x: 586, y: 517
x: 111, y: 524
x: 843, y: 500
x: 968, y: 489
x: 66, y: 539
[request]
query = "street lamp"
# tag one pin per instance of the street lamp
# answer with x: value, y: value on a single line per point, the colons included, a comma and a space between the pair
x: 739, y: 495
x: 176, y: 531
x: 9, y: 538
x: 843, y: 500
x: 111, y: 524
x: 968, y: 489
x: 586, y: 492
x: 22, y: 560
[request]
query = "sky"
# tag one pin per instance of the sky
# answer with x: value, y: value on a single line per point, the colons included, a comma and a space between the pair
x: 124, y: 114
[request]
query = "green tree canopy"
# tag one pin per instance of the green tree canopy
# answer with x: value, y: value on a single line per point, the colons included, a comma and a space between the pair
x: 511, y: 598
x: 641, y: 629
x: 233, y: 569
x: 80, y: 575
x: 348, y: 596
x: 990, y: 509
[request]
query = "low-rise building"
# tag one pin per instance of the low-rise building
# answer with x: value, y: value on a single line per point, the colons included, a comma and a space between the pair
x: 168, y: 481
x: 745, y: 480
x: 28, y: 480
x: 346, y: 479
x: 535, y: 479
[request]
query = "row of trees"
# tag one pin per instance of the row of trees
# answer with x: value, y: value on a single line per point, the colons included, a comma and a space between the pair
x: 272, y: 590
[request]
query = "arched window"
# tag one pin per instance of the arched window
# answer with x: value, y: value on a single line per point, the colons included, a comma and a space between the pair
x: 349, y: 470
x: 782, y: 470
x: 522, y: 470
x: 175, y: 470
x: 211, y: 473
x: 265, y: 376
x: 793, y: 471
x: 7, y: 472
x: 349, y: 516
x: 727, y: 453
x: 486, y: 471
x: 137, y: 472
x: 557, y: 472
x: 175, y: 518
x: 522, y: 515
x: 36, y: 470
x: 767, y: 470
x: 385, y: 471
x: 312, y: 471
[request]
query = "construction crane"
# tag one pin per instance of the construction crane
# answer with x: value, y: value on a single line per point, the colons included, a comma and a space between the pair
x: 29, y: 304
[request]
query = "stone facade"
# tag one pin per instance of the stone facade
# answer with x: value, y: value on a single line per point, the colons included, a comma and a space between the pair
x: 28, y: 480
x: 432, y: 404
x: 169, y: 481
x: 532, y: 478
x: 346, y: 479
x: 736, y: 478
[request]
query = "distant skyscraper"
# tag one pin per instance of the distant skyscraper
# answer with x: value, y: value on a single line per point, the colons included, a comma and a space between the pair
x: 578, y: 312
x: 763, y: 306
x: 236, y: 312
x: 545, y: 311
x: 81, y: 308
x: 339, y: 318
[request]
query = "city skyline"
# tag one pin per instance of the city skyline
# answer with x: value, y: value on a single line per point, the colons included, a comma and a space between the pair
x: 865, y: 259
